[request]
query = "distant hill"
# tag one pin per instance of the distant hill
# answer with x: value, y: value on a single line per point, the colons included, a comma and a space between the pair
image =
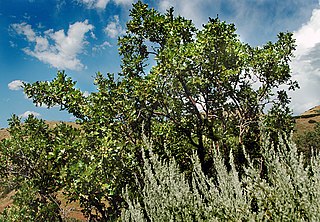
x: 313, y: 111
x: 306, y: 121
x: 5, y: 134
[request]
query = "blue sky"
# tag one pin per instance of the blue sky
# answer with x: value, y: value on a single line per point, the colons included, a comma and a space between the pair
x: 39, y: 37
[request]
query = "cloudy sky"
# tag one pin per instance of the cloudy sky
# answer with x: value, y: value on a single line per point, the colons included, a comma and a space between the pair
x: 39, y: 37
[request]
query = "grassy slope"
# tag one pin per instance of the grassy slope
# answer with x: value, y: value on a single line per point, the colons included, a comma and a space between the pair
x: 303, y: 121
x: 4, y: 134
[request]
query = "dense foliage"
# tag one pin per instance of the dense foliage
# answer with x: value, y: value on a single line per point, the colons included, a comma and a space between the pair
x: 186, y: 89
x: 308, y: 142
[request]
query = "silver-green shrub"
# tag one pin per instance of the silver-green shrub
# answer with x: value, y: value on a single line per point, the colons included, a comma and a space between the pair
x: 285, y: 190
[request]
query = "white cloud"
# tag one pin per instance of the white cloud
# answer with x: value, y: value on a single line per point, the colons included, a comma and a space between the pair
x: 93, y: 35
x: 27, y: 113
x: 123, y: 2
x: 72, y: 118
x: 191, y: 9
x: 97, y: 4
x: 166, y: 4
x: 57, y: 48
x: 12, y: 44
x: 60, y: 4
x: 102, y: 4
x: 88, y: 3
x: 308, y: 36
x: 257, y: 21
x: 26, y: 16
x: 40, y: 26
x: 114, y: 29
x: 306, y: 65
x: 15, y: 85
x: 86, y: 94
x: 26, y: 30
x: 101, y: 47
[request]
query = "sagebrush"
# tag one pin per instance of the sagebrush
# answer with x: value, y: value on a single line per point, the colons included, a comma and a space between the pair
x: 285, y: 190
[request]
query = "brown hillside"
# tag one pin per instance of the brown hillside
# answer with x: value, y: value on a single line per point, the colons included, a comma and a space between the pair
x: 3, y: 134
x: 315, y: 110
x: 306, y: 121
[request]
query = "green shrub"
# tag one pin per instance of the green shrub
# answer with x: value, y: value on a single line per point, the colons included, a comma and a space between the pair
x: 312, y: 121
x: 288, y: 191
x: 308, y: 142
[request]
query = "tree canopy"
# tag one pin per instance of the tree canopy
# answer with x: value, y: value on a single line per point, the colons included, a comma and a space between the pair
x: 185, y: 89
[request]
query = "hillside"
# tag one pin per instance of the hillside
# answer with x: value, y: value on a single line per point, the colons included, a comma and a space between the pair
x: 305, y: 122
x: 313, y: 111
x: 3, y: 134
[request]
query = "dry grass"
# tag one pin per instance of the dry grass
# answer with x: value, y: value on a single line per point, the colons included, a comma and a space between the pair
x: 314, y: 110
x: 4, y: 134
x: 305, y: 122
x: 6, y: 201
x: 52, y: 124
x: 70, y: 210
